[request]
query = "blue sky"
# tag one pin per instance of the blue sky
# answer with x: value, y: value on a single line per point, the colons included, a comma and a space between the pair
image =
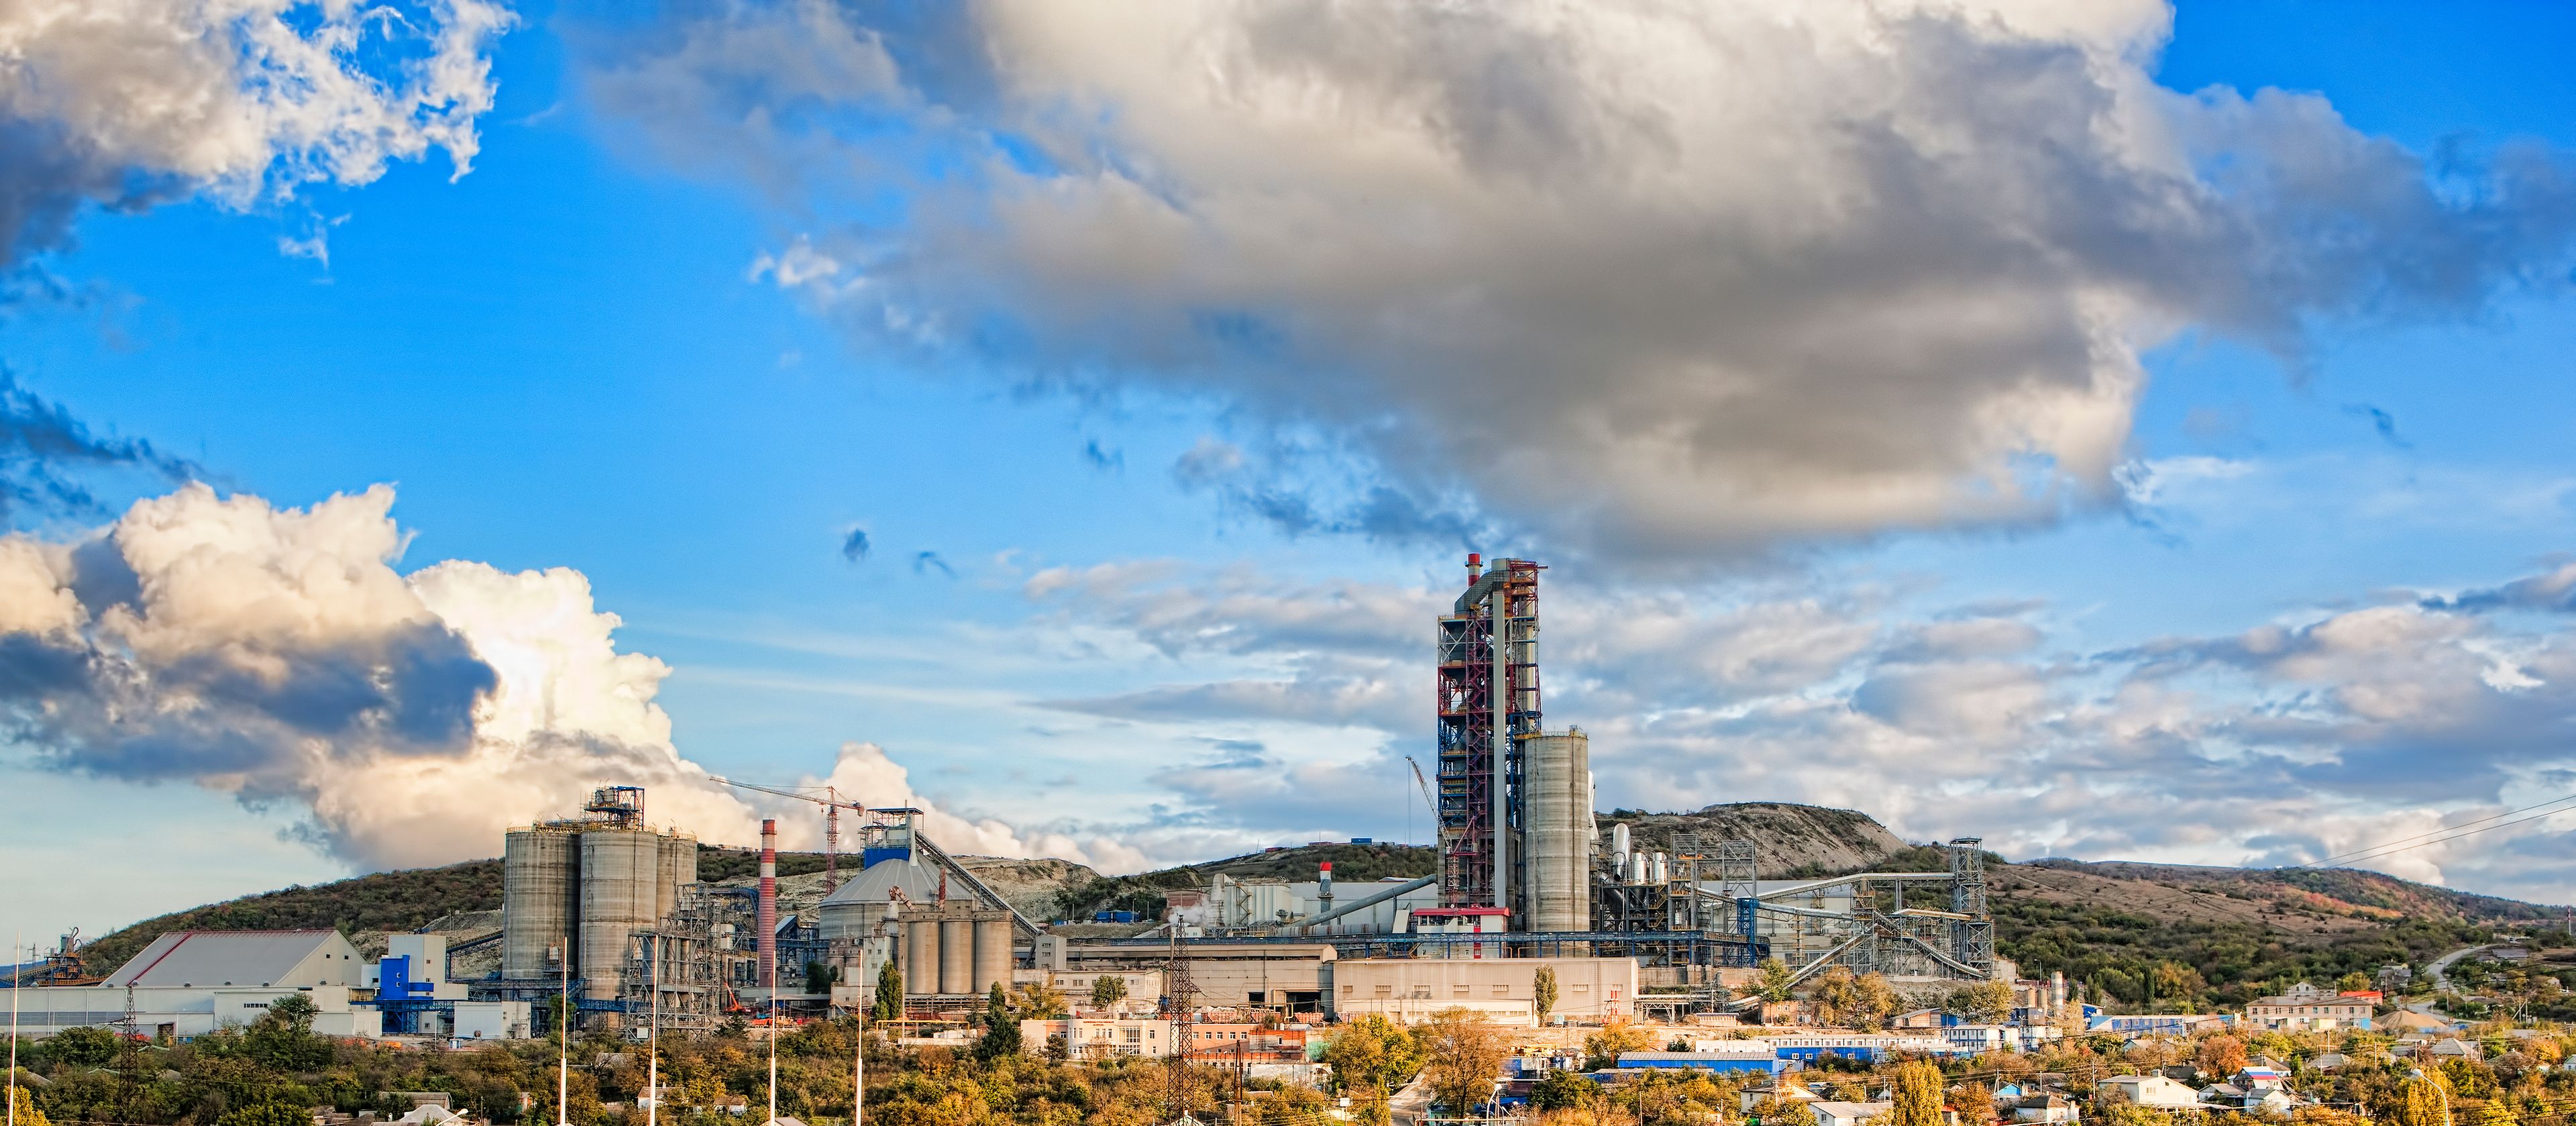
x: 567, y: 359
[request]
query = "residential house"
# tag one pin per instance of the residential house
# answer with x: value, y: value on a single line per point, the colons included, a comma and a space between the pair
x: 2045, y: 1109
x: 2453, y: 1048
x: 2306, y: 1008
x: 2157, y: 1024
x: 1751, y: 1097
x: 2154, y: 1091
x: 2408, y: 1020
x: 1919, y: 1018
x: 1830, y: 1112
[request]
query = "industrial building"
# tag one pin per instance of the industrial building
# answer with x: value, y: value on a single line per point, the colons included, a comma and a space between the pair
x: 189, y: 983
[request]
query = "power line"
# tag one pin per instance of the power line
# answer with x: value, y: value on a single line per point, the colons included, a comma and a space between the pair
x: 2455, y: 832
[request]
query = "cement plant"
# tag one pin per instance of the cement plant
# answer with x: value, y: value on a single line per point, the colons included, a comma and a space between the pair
x: 1537, y: 919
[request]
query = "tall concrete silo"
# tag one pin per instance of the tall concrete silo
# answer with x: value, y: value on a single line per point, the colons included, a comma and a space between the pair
x: 920, y: 953
x: 540, y: 899
x: 992, y: 951
x: 621, y: 875
x: 1557, y: 867
x: 956, y: 952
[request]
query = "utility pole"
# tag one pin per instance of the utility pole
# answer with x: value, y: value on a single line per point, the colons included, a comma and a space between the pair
x: 16, y: 976
x: 773, y: 1057
x: 563, y: 1039
x: 653, y: 1031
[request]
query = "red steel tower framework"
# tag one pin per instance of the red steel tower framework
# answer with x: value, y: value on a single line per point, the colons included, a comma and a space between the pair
x: 1487, y: 699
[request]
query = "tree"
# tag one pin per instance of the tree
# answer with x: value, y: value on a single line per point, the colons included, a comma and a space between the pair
x: 1836, y: 997
x: 1372, y: 1053
x: 1776, y: 1111
x: 2220, y: 1056
x: 1975, y: 1103
x: 266, y: 1114
x: 1878, y: 999
x: 85, y: 1046
x: 1543, y: 992
x: 1001, y: 1028
x: 1775, y: 980
x: 1039, y: 1000
x: 1616, y: 1038
x: 2353, y: 982
x: 1462, y: 1055
x: 1984, y: 1002
x: 1107, y: 990
x: 283, y: 1037
x: 1564, y: 1090
x: 2423, y: 1104
x: 28, y: 1115
x: 888, y: 1004
x: 819, y: 978
x: 1917, y: 1095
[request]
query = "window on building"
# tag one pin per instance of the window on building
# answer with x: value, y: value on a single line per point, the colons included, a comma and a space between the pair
x: 1383, y: 990
x: 1458, y: 991
x: 1502, y: 991
x: 1578, y: 987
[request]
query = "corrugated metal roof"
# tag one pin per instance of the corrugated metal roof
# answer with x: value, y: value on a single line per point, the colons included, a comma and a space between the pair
x: 217, y: 958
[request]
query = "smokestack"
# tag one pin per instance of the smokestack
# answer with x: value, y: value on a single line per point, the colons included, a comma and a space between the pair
x: 768, y: 905
x: 1475, y: 567
x: 1325, y: 892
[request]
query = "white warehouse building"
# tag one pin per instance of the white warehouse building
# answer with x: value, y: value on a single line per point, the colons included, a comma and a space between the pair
x: 189, y: 983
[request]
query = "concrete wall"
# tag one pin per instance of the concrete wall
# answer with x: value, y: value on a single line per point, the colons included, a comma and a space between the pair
x: 1412, y: 989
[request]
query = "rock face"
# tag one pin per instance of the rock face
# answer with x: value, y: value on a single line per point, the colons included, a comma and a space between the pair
x: 1029, y: 885
x: 1788, y: 840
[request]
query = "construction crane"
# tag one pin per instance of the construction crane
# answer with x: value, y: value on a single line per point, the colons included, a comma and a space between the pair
x: 832, y: 807
x: 1418, y: 780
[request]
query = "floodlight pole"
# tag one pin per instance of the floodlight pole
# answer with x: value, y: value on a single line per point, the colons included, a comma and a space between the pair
x: 653, y: 1032
x: 563, y: 1040
x: 17, y: 974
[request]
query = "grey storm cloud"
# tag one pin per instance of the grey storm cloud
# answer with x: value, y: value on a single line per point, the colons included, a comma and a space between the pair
x: 1652, y: 282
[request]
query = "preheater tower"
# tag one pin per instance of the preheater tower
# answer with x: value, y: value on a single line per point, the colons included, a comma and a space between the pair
x: 1488, y: 701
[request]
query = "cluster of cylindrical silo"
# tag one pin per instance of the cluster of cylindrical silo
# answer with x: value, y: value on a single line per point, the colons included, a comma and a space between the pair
x: 1636, y: 867
x: 1556, y: 867
x: 580, y: 890
x: 955, y: 949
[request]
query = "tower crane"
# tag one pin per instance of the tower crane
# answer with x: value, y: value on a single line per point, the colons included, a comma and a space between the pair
x: 1427, y: 799
x: 832, y: 807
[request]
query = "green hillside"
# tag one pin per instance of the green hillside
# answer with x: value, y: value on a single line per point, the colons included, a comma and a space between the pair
x: 381, y: 901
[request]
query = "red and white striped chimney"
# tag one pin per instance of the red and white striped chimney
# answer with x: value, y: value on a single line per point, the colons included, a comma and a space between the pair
x: 768, y: 915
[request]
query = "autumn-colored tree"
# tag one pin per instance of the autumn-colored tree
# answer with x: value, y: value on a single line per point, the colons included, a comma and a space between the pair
x: 2219, y: 1057
x: 1916, y: 1090
x: 1984, y: 1002
x: 1462, y: 1055
x: 1974, y: 1102
x: 1836, y: 996
x: 1617, y: 1038
x: 1543, y: 992
x: 2423, y: 1104
x: 1776, y: 1111
x: 28, y: 1115
x: 1038, y: 1000
x: 2353, y: 982
x: 1372, y: 1053
x: 1878, y: 1000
